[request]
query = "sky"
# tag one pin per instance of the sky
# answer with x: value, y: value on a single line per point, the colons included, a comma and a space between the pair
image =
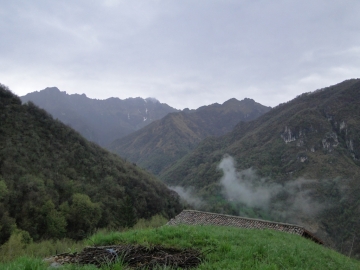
x: 186, y: 53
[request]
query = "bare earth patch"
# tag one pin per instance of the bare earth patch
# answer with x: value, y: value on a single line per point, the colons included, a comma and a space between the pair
x: 134, y: 256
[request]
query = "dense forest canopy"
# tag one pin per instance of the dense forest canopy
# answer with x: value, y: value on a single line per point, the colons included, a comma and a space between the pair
x: 54, y: 183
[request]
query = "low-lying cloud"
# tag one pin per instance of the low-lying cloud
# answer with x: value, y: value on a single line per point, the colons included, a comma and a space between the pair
x: 286, y: 202
x: 294, y: 201
x: 244, y: 186
x: 189, y: 196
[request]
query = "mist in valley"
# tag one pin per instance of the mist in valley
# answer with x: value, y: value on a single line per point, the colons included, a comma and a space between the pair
x: 294, y: 201
x: 188, y: 195
x: 288, y: 202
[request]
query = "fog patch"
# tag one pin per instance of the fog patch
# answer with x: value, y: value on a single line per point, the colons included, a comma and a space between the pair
x: 188, y: 195
x: 244, y: 186
x: 287, y: 202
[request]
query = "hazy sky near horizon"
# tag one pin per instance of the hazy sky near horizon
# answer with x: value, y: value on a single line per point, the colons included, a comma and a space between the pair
x: 186, y: 53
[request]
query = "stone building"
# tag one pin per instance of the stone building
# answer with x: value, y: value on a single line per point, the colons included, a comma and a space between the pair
x: 193, y: 217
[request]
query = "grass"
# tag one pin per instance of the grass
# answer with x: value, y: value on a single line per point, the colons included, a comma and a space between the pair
x: 14, y: 248
x: 227, y: 248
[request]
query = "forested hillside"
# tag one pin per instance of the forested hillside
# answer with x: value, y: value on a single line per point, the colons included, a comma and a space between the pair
x: 297, y: 163
x: 54, y: 183
x: 100, y: 121
x: 158, y: 145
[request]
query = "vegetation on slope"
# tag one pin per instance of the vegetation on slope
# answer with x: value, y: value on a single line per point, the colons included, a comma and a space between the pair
x: 54, y: 183
x: 313, y: 141
x: 226, y: 248
x: 163, y: 142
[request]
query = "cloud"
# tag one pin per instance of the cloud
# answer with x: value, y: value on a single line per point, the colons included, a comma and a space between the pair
x: 244, y: 186
x: 188, y: 195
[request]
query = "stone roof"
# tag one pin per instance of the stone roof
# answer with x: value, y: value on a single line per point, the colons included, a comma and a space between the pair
x: 193, y: 217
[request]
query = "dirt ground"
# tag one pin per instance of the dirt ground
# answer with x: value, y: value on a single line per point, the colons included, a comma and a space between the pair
x: 134, y: 256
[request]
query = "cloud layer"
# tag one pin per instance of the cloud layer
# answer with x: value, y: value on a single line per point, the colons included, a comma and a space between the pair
x: 185, y: 53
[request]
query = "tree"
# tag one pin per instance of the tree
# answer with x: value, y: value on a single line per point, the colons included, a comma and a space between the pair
x: 3, y: 189
x: 7, y: 225
x: 54, y: 221
x: 128, y: 213
x: 83, y: 215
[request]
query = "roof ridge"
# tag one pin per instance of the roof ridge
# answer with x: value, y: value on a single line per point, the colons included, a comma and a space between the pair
x: 195, y: 217
x: 240, y: 217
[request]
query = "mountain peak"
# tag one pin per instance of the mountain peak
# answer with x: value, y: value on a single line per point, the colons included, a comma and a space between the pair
x: 52, y: 89
x: 248, y: 100
x: 153, y: 100
x: 231, y: 101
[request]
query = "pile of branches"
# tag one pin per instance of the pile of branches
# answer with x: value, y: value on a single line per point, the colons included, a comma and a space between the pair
x: 134, y: 256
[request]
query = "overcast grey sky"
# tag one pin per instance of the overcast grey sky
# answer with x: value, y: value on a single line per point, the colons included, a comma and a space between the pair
x: 186, y: 53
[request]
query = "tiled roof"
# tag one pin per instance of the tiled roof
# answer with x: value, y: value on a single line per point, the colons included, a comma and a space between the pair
x: 193, y: 217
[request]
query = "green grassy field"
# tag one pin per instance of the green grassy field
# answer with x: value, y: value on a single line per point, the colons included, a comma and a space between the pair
x: 226, y: 248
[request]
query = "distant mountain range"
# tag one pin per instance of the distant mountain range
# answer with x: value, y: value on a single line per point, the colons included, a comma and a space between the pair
x: 54, y: 183
x: 299, y: 162
x: 100, y: 121
x: 165, y: 141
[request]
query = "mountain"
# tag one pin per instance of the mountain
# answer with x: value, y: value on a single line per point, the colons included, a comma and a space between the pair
x: 100, y: 121
x: 164, y: 141
x: 298, y: 163
x: 54, y: 183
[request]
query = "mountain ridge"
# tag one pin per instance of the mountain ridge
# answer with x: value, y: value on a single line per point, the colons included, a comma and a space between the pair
x: 157, y: 145
x: 100, y: 121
